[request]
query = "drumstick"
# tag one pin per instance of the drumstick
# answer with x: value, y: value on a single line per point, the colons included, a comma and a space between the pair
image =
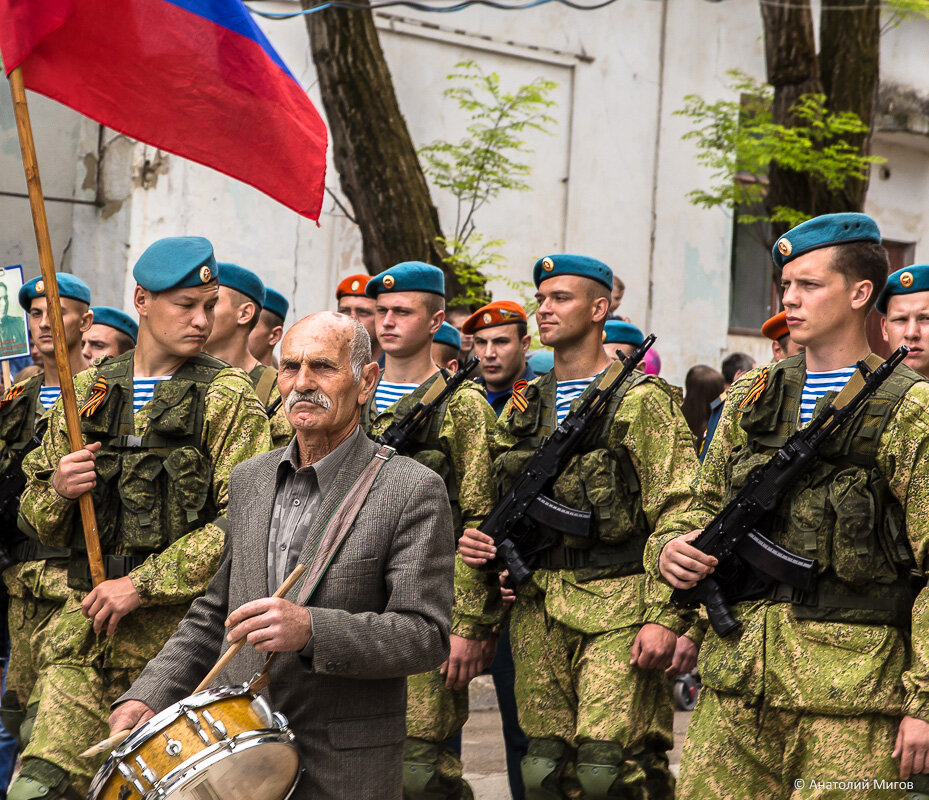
x: 120, y: 736
x: 220, y: 665
x: 107, y: 744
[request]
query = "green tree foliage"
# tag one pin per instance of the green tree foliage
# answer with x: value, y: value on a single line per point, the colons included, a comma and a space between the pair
x: 738, y: 140
x: 488, y: 161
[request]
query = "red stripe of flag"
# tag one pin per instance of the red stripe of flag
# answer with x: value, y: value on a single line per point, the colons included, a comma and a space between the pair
x: 178, y: 81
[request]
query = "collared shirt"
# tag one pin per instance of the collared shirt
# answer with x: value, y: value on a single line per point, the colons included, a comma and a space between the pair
x: 299, y: 491
x: 498, y: 400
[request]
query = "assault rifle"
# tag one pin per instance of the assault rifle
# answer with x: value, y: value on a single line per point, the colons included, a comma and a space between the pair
x: 749, y: 562
x: 525, y: 522
x: 401, y: 431
x: 12, y: 483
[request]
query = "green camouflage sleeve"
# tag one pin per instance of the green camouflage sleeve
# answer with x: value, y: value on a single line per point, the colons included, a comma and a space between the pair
x: 281, y: 432
x: 903, y: 457
x: 466, y: 431
x: 43, y: 512
x: 236, y: 428
x: 661, y: 447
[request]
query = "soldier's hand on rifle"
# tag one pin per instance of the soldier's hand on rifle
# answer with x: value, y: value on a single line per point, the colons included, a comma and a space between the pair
x: 465, y: 662
x: 683, y: 565
x: 912, y: 747
x: 507, y: 595
x: 476, y: 548
x: 653, y: 647
x: 129, y: 715
x: 271, y: 625
x: 109, y: 602
x: 76, y: 473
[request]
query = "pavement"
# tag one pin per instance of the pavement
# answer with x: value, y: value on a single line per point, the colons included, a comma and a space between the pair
x: 482, y: 744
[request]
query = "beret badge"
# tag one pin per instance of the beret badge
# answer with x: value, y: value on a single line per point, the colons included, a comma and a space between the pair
x: 205, y: 274
x: 487, y: 319
x: 355, y: 286
x: 40, y: 287
x: 547, y: 264
x: 906, y: 280
x: 784, y: 247
x: 389, y: 281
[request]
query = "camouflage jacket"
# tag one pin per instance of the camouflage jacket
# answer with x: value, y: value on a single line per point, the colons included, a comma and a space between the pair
x: 281, y: 432
x: 464, y: 438
x: 650, y: 427
x: 235, y: 428
x: 819, y: 666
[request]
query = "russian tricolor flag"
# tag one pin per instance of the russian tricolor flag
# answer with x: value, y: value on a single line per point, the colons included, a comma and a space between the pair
x: 196, y: 78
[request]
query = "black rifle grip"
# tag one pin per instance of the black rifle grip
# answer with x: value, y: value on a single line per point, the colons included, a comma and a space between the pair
x: 716, y: 609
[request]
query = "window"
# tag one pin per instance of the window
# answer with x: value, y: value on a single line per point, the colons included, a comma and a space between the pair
x: 753, y: 295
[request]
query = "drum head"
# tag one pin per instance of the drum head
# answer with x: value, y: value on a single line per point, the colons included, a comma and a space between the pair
x: 260, y: 770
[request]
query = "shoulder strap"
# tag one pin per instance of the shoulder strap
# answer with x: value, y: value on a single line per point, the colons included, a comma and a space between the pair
x: 265, y: 385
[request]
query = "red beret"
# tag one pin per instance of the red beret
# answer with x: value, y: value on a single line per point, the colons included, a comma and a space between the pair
x: 776, y: 327
x: 500, y: 312
x: 353, y: 286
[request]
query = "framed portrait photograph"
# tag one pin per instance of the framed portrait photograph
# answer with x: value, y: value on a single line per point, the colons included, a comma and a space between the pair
x: 13, y: 339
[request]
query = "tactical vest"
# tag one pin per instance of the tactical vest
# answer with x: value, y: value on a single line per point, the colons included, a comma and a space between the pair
x: 427, y: 448
x: 155, y: 488
x: 18, y: 417
x: 602, y: 480
x: 842, y: 512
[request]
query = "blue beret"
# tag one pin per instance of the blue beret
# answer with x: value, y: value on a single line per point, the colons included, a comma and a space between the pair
x: 620, y: 332
x: 68, y: 286
x: 542, y: 361
x: 106, y: 315
x: 176, y: 263
x: 903, y: 281
x: 409, y: 276
x: 448, y: 334
x: 824, y: 231
x: 275, y: 302
x: 242, y: 280
x: 566, y: 264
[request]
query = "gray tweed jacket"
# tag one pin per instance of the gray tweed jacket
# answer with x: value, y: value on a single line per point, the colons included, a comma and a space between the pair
x: 382, y: 612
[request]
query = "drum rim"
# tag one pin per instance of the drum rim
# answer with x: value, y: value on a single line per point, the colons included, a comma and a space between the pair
x: 217, y: 751
x: 165, y: 717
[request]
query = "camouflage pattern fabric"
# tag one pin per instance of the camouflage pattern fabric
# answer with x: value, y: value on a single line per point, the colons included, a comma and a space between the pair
x: 93, y: 670
x: 580, y: 688
x: 817, y: 668
x: 281, y: 432
x: 571, y: 638
x: 745, y: 753
x: 434, y: 712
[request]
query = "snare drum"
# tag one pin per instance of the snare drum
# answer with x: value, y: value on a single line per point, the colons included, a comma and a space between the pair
x: 219, y: 744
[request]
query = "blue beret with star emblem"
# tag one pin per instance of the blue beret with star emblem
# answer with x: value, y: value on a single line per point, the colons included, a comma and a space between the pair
x: 68, y: 286
x: 824, y: 231
x: 618, y: 332
x: 408, y: 276
x: 177, y: 262
x: 275, y: 302
x: 242, y: 280
x: 568, y: 264
x: 448, y: 334
x: 107, y: 315
x: 903, y: 281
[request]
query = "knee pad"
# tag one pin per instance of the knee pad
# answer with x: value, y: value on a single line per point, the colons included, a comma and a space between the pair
x: 604, y: 772
x: 41, y: 780
x: 423, y: 779
x: 12, y: 714
x: 542, y: 766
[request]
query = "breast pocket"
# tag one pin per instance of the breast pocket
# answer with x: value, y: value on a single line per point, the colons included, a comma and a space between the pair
x: 353, y: 585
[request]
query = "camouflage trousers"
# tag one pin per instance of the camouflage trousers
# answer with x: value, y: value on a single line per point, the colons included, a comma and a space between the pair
x: 580, y: 689
x: 744, y: 753
x: 435, y: 713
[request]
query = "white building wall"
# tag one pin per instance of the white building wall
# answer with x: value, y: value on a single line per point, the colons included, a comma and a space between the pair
x: 611, y: 180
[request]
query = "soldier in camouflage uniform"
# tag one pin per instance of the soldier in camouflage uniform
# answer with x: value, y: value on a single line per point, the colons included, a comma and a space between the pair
x: 820, y: 691
x: 456, y: 445
x: 164, y: 426
x: 241, y: 297
x: 590, y: 634
x: 36, y: 584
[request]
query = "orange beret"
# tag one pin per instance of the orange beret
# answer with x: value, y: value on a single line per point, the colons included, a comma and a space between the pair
x: 776, y: 327
x: 500, y: 312
x: 353, y: 286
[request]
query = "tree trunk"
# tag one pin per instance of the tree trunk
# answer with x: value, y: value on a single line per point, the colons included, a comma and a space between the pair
x: 793, y: 70
x: 849, y: 62
x: 379, y: 170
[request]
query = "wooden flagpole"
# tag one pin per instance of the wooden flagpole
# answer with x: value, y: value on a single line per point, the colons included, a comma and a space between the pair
x: 47, y: 265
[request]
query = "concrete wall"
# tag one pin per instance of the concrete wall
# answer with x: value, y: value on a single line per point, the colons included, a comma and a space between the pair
x: 610, y: 176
